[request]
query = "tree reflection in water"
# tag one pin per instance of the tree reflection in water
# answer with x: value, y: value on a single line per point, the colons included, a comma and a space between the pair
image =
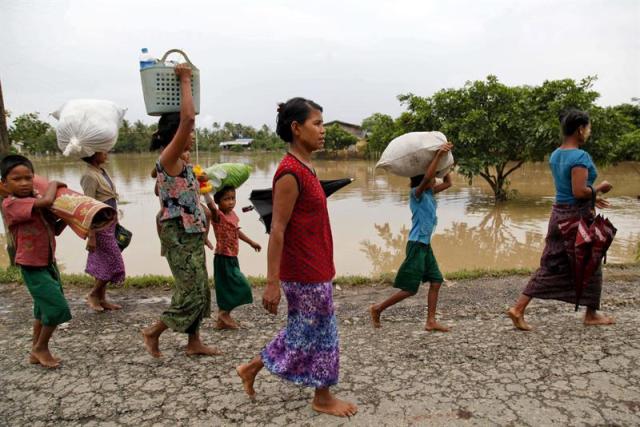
x: 388, y: 257
x: 493, y: 243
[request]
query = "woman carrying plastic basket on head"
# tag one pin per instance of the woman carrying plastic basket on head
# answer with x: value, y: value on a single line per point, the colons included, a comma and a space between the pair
x: 182, y: 229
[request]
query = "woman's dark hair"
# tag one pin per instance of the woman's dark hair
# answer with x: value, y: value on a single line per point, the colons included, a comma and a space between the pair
x: 11, y: 161
x: 220, y: 193
x: 572, y: 119
x: 167, y: 128
x: 416, y: 180
x: 294, y: 110
x: 89, y: 159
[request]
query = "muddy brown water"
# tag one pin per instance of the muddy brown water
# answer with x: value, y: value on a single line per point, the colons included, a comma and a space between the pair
x: 370, y: 218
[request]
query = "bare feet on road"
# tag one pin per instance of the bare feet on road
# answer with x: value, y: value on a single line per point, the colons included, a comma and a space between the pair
x: 518, y: 320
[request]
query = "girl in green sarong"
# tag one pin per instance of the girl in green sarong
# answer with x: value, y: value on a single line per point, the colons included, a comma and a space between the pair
x: 232, y: 287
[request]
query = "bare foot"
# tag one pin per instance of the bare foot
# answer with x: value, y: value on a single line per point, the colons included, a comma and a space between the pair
x: 375, y: 317
x: 109, y: 305
x: 334, y: 406
x: 151, y: 344
x: 221, y: 324
x: 518, y: 320
x: 199, y: 349
x: 45, y: 359
x: 94, y: 303
x: 34, y: 361
x: 435, y: 327
x: 248, y: 376
x: 225, y: 321
x: 598, y: 320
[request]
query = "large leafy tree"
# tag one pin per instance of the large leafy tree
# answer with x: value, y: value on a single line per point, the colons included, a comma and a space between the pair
x: 134, y: 137
x: 336, y: 138
x: 628, y: 147
x: 497, y: 128
x: 488, y: 123
x: 380, y: 129
x: 266, y: 139
x: 35, y: 135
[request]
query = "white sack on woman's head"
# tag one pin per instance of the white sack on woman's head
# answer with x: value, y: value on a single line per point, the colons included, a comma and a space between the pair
x: 87, y: 126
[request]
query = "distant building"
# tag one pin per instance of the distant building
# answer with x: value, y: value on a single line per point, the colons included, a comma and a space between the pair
x: 354, y: 130
x: 240, y: 142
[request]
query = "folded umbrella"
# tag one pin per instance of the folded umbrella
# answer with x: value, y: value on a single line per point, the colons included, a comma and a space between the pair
x: 583, y: 246
x: 262, y: 200
x: 568, y: 229
x: 586, y: 247
x: 602, y: 233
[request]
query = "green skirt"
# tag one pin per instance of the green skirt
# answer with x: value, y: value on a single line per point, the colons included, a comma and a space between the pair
x: 191, y: 299
x: 419, y: 266
x: 49, y: 304
x: 232, y: 287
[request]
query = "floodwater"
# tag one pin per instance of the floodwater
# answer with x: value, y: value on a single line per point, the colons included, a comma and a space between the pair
x: 370, y: 218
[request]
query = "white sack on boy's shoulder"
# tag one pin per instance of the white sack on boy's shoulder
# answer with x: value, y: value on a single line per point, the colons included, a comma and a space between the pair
x: 409, y: 154
x: 87, y: 126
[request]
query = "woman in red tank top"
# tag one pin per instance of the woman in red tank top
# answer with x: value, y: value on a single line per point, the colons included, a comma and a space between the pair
x: 300, y: 258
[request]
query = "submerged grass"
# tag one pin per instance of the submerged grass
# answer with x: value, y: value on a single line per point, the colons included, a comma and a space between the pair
x: 12, y: 275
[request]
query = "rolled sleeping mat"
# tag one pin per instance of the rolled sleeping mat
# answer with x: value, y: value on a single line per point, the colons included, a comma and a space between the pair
x: 81, y: 213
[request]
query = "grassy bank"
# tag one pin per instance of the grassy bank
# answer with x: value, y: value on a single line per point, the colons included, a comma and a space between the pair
x: 620, y: 271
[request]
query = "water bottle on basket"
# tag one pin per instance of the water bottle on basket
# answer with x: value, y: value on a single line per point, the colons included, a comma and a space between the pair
x: 160, y: 85
x: 146, y: 60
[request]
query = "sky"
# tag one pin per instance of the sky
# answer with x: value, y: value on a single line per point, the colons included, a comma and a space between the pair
x: 352, y: 57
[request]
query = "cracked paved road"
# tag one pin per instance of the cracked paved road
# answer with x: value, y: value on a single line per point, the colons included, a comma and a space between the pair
x: 482, y: 373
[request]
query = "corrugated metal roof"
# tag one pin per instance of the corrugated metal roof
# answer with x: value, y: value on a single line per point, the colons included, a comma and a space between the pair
x: 239, y: 141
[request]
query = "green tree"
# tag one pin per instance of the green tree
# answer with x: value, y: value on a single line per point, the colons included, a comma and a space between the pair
x: 336, y: 138
x: 488, y: 123
x: 134, y: 138
x: 631, y: 112
x: 380, y: 130
x: 238, y: 130
x: 266, y: 139
x: 628, y: 147
x: 497, y: 128
x: 35, y: 135
x: 616, y: 132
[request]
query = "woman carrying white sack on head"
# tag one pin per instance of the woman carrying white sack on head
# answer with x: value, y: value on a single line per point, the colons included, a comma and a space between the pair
x: 89, y: 129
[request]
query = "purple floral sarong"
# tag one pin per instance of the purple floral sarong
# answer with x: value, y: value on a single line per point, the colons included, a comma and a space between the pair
x: 306, y: 352
x: 105, y: 262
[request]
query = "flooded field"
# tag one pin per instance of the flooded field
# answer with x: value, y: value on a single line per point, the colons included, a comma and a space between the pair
x: 370, y: 218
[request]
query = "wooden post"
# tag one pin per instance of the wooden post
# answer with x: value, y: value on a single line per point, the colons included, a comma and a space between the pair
x: 4, y: 150
x: 4, y: 133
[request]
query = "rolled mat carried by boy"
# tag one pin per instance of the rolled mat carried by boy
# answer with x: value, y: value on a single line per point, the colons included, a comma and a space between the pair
x: 232, y: 287
x: 420, y: 264
x: 34, y: 229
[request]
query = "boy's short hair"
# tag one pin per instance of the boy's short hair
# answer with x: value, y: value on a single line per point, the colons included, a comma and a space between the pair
x: 11, y: 161
x: 220, y: 193
x: 416, y: 180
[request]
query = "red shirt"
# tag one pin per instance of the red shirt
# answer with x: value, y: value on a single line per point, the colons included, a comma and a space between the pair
x: 32, y: 232
x: 307, y: 255
x: 226, y: 231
